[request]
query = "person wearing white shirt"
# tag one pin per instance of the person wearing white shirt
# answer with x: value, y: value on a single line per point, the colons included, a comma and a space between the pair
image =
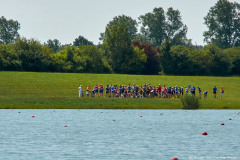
x: 80, y: 90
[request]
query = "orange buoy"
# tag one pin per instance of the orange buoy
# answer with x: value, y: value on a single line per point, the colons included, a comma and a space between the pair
x: 174, y: 158
x: 204, y: 133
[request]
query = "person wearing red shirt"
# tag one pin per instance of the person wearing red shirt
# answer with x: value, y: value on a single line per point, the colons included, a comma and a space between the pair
x: 159, y: 90
x: 96, y: 90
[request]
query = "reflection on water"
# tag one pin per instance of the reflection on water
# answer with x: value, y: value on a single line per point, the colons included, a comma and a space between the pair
x: 119, y: 134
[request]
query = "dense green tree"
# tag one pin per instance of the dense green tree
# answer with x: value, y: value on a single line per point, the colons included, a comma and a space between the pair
x: 175, y: 29
x: 201, y: 62
x: 8, y: 30
x: 180, y: 61
x: 81, y: 41
x: 236, y: 66
x: 118, y: 50
x: 159, y: 26
x: 55, y: 45
x: 63, y: 60
x: 152, y: 65
x: 9, y: 60
x: 166, y: 59
x: 85, y: 59
x: 124, y: 20
x: 32, y: 55
x: 220, y: 63
x: 223, y: 23
x: 119, y: 53
x: 89, y: 59
x: 234, y: 56
x: 137, y: 64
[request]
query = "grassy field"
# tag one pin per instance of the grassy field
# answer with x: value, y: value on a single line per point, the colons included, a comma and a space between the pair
x: 28, y: 90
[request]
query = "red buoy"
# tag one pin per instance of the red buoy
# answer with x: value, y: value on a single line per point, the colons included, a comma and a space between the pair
x: 33, y: 116
x: 174, y: 158
x: 19, y: 112
x: 222, y: 124
x: 230, y: 119
x: 140, y: 116
x: 204, y: 133
x: 65, y: 126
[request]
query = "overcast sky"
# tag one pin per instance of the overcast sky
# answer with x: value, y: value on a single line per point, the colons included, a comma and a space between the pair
x: 65, y: 20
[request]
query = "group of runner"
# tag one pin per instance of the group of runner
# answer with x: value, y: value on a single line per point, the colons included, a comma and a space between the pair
x: 145, y: 91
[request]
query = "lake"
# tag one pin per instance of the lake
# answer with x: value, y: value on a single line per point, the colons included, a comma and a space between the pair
x: 119, y: 134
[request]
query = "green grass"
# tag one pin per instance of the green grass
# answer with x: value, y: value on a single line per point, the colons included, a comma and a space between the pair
x: 29, y: 90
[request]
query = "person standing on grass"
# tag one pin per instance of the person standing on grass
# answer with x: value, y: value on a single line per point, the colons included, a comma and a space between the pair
x: 222, y: 91
x: 182, y: 91
x: 205, y: 94
x: 186, y: 90
x: 96, y: 90
x: 159, y: 90
x: 80, y: 90
x: 129, y: 90
x: 107, y: 91
x: 113, y: 91
x: 214, y: 91
x: 110, y: 90
x: 194, y: 90
x: 93, y: 93
x: 200, y: 92
x: 101, y: 91
x: 87, y: 91
x: 122, y: 91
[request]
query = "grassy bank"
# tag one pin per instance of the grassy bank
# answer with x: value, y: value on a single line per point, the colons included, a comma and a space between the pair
x: 26, y: 90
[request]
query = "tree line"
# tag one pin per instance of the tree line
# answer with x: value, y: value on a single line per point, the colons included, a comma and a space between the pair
x: 161, y: 46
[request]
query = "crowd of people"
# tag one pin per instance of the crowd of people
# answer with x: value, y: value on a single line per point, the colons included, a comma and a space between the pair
x: 145, y: 91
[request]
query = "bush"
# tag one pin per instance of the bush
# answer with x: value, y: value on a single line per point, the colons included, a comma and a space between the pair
x: 190, y: 102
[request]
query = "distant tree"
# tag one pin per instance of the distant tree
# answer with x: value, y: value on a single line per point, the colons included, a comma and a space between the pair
x: 81, y: 41
x: 220, y: 63
x: 64, y: 60
x: 124, y: 20
x: 9, y: 60
x: 159, y: 26
x: 152, y: 65
x: 55, y: 45
x: 121, y: 56
x: 88, y: 59
x: 166, y: 59
x: 223, y: 23
x: 8, y: 30
x: 181, y: 61
x: 117, y: 46
x: 175, y: 29
x: 234, y: 56
x: 31, y: 55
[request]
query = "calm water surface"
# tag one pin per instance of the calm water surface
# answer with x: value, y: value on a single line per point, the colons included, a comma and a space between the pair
x: 119, y: 134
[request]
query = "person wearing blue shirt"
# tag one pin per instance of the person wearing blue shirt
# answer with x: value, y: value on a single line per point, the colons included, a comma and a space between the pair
x: 205, y: 94
x: 214, y: 91
x: 193, y: 90
x: 200, y: 92
x: 113, y: 90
